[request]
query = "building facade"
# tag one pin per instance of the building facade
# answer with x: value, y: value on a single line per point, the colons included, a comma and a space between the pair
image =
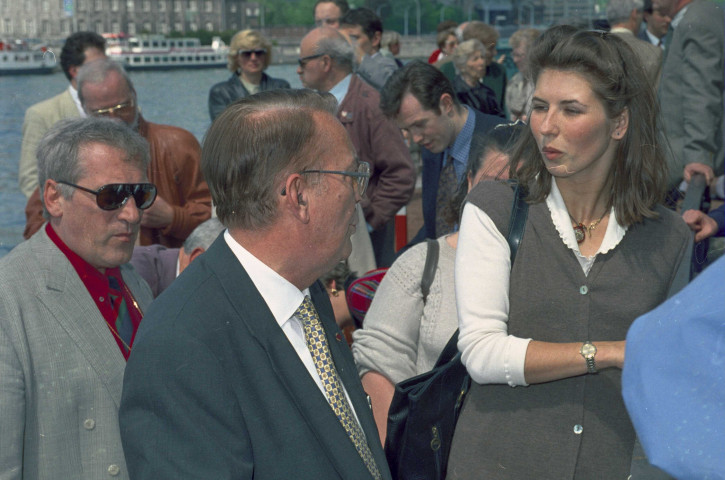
x: 56, y: 19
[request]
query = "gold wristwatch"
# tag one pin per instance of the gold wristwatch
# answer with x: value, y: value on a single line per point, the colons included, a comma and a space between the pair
x: 588, y: 351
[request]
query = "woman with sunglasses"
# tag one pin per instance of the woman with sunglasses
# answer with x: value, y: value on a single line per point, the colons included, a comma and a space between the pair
x: 249, y: 56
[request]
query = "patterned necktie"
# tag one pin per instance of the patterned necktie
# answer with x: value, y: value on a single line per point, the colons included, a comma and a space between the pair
x: 317, y: 344
x: 123, y: 324
x: 447, y: 185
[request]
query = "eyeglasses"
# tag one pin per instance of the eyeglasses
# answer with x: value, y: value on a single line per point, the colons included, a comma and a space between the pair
x: 327, y: 21
x: 120, y: 109
x: 115, y: 195
x: 304, y: 60
x: 361, y: 176
x: 248, y: 53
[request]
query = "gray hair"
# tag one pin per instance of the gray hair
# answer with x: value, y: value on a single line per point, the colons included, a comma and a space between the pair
x: 203, y: 235
x: 254, y: 145
x: 58, y: 153
x: 464, y: 51
x: 95, y: 72
x: 618, y: 11
x: 338, y: 48
x: 390, y: 37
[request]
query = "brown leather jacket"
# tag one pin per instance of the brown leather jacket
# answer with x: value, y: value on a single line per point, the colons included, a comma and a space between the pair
x: 175, y: 171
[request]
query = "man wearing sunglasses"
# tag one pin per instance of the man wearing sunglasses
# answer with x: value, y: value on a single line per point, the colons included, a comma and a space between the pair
x: 223, y: 383
x: 326, y: 65
x: 183, y: 202
x: 70, y: 307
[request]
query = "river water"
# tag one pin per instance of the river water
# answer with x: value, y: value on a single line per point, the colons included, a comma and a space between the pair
x: 176, y: 97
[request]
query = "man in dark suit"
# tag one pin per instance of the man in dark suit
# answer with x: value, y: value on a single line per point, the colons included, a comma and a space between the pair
x: 223, y: 383
x: 423, y: 103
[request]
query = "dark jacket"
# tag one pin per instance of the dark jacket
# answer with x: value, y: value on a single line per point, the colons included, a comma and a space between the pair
x: 224, y: 93
x: 480, y: 97
x: 214, y: 389
x: 378, y: 141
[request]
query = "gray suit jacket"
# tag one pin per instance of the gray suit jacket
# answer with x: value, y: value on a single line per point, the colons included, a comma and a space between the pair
x: 691, y: 89
x: 214, y: 390
x: 61, y: 371
x: 39, y: 118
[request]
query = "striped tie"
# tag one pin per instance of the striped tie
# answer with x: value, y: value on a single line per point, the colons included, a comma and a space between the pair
x: 317, y: 344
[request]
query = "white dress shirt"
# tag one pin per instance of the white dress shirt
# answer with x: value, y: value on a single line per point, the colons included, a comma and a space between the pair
x: 283, y: 299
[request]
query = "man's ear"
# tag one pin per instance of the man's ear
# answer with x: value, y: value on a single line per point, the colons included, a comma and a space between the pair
x: 53, y: 198
x: 446, y: 104
x: 375, y: 41
x: 621, y: 123
x: 295, y: 195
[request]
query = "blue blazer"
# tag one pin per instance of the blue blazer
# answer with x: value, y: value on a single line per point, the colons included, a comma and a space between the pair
x: 213, y: 388
x: 432, y: 164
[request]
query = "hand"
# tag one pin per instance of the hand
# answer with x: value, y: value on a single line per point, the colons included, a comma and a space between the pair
x: 700, y: 223
x: 159, y: 215
x: 693, y: 168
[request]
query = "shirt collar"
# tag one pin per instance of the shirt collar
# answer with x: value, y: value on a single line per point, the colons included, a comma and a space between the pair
x: 96, y: 282
x: 462, y: 145
x: 339, y: 91
x: 74, y: 95
x: 654, y: 40
x: 678, y: 16
x: 562, y: 221
x: 280, y: 295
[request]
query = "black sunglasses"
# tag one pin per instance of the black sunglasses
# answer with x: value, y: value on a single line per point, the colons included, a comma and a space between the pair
x: 304, y: 60
x: 248, y: 53
x: 115, y: 195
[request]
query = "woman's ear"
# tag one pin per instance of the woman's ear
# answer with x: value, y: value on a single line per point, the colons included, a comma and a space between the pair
x: 621, y: 123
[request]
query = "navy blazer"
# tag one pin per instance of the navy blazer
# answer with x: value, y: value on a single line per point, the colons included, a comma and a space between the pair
x: 213, y: 388
x: 432, y: 164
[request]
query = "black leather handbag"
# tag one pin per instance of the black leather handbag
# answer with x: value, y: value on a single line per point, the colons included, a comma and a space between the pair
x: 425, y: 408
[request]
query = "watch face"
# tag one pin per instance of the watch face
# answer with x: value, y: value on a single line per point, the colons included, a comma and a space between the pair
x: 588, y: 350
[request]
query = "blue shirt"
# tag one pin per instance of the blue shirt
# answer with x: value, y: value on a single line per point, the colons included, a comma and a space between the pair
x: 461, y: 146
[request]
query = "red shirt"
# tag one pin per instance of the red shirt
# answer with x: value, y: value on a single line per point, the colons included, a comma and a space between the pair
x: 98, y: 287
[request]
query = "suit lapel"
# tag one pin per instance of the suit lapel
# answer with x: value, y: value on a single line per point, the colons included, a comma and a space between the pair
x: 69, y: 303
x: 259, y: 322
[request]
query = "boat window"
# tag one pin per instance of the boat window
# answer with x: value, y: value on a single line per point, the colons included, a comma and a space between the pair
x: 146, y: 43
x: 146, y: 59
x: 166, y: 59
x: 156, y: 59
x: 136, y: 59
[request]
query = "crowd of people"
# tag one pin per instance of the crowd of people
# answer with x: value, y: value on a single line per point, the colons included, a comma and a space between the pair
x: 181, y: 310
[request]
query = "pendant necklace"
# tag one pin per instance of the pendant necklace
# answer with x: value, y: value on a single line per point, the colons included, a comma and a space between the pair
x: 580, y: 229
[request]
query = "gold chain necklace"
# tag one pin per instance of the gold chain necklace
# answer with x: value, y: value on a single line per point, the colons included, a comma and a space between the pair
x: 580, y: 229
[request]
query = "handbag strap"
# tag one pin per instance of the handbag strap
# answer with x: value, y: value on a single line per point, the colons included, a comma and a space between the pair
x: 429, y: 269
x: 517, y: 225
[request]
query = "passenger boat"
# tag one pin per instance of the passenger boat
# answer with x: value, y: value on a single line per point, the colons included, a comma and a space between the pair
x: 19, y: 58
x: 157, y: 52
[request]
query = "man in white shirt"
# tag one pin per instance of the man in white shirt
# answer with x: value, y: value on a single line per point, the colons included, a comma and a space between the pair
x: 655, y: 25
x: 223, y: 382
x: 79, y: 48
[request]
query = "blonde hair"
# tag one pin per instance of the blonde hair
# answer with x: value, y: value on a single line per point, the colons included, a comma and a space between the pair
x: 248, y: 40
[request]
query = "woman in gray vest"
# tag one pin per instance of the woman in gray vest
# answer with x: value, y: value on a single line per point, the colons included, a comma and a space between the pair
x: 544, y: 341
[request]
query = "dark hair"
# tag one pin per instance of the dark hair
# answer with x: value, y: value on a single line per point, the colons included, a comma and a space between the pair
x: 73, y: 52
x: 425, y: 82
x: 253, y: 145
x: 502, y: 139
x: 366, y: 18
x: 639, y: 174
x: 341, y: 4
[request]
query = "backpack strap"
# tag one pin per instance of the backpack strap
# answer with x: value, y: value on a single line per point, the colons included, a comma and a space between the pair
x: 429, y: 269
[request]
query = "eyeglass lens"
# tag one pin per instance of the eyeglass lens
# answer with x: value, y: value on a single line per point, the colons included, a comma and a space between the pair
x: 248, y: 53
x: 113, y: 196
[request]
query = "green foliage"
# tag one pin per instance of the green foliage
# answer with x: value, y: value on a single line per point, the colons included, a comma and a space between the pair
x: 288, y: 12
